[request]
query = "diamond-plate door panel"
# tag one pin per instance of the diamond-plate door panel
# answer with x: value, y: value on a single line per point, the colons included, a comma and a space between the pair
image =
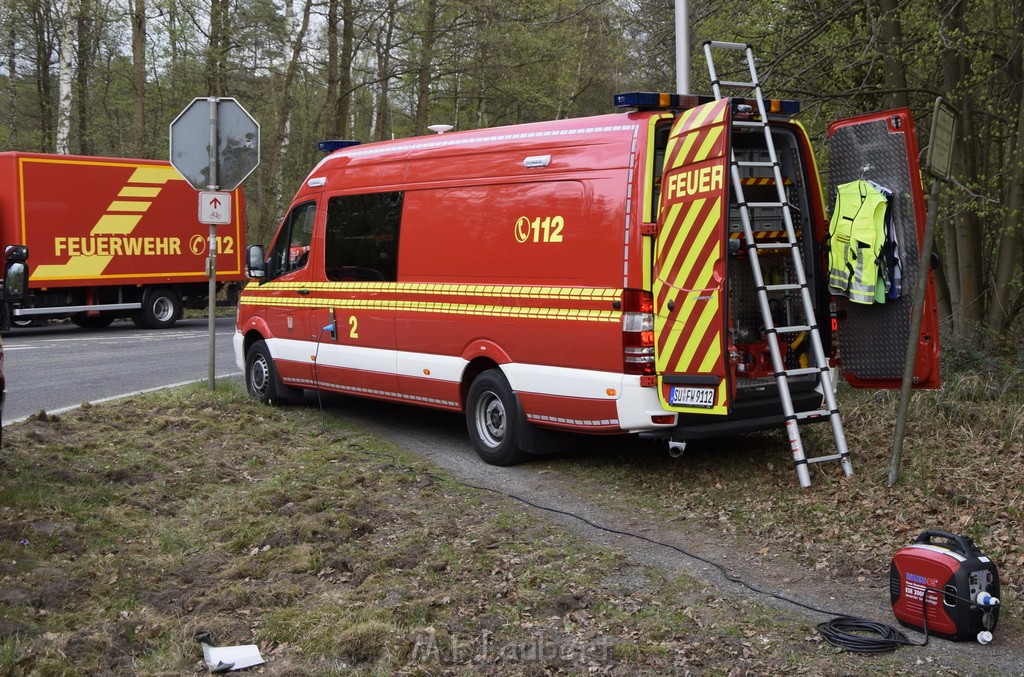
x: 873, y: 338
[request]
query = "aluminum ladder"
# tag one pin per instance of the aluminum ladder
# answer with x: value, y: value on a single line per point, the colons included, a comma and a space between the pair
x: 781, y: 205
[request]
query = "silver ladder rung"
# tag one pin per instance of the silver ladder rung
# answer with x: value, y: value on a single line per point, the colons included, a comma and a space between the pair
x: 731, y: 83
x: 748, y: 123
x: 767, y: 205
x: 803, y: 371
x: 727, y: 45
x: 822, y: 459
x: 816, y: 413
x: 783, y: 287
x: 792, y: 329
x: 773, y: 245
x: 754, y: 163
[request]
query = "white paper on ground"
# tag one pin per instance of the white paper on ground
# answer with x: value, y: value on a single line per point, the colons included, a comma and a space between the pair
x: 240, y: 657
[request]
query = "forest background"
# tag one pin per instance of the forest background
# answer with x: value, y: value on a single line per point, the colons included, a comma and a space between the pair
x: 106, y: 77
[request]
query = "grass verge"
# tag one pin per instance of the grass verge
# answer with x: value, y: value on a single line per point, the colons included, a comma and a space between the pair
x: 126, y: 528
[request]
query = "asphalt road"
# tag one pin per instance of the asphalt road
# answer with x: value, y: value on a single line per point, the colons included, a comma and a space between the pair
x: 61, y: 366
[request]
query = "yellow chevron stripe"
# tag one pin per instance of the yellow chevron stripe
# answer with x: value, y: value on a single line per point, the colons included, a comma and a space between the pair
x: 687, y: 141
x: 155, y: 174
x: 704, y: 325
x: 139, y: 191
x: 673, y: 231
x: 703, y: 115
x: 128, y: 206
x: 705, y: 232
x: 713, y: 135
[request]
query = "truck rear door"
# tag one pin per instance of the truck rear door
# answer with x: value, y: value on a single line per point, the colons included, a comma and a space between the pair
x: 881, y: 148
x: 689, y: 281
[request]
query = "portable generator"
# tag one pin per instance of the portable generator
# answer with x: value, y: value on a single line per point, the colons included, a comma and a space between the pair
x: 942, y: 584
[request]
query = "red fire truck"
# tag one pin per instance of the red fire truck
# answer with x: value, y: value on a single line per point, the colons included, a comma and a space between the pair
x: 110, y: 238
x: 581, y: 275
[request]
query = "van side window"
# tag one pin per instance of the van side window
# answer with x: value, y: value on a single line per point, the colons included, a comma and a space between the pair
x: 661, y: 135
x: 361, y: 239
x: 291, y: 248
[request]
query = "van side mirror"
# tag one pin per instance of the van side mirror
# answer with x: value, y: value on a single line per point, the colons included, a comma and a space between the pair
x: 255, y: 266
x: 16, y: 273
x: 16, y: 282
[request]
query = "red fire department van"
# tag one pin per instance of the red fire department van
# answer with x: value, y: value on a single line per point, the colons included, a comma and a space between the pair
x: 528, y: 276
x: 109, y: 238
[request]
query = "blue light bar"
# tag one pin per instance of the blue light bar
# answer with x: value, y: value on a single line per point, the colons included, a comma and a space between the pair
x: 648, y: 100
x: 665, y: 101
x: 331, y: 146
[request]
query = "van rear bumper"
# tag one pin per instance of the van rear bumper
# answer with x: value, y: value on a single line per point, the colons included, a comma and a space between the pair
x: 749, y: 413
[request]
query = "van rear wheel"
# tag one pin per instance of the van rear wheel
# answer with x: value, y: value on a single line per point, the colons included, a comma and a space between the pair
x: 492, y: 417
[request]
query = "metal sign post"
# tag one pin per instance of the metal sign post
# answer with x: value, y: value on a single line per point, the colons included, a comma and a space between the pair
x: 939, y: 164
x: 211, y: 265
x: 215, y: 146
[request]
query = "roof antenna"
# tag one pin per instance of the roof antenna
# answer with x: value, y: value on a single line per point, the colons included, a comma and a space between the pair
x: 441, y: 129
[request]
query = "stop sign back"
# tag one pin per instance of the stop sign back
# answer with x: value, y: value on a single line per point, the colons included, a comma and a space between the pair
x: 237, y: 147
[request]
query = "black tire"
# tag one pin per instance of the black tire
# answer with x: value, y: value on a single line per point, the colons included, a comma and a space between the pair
x: 161, y: 308
x: 261, y: 377
x: 84, y: 321
x: 492, y: 417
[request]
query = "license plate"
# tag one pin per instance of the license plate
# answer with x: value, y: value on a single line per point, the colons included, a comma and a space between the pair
x: 692, y: 397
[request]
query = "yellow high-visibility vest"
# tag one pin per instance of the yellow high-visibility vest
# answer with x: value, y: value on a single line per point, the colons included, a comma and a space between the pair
x: 857, y: 232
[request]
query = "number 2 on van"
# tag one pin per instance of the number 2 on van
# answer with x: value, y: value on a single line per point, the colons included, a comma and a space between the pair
x: 623, y: 302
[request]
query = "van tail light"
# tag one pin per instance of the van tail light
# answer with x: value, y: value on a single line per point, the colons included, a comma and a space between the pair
x: 637, y: 332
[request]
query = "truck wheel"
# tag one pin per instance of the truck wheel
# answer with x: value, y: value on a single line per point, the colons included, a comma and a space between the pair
x: 261, y: 378
x: 492, y: 416
x: 161, y: 308
x: 84, y: 321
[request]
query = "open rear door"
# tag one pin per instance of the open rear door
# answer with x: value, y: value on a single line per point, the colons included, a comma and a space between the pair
x: 689, y: 287
x: 872, y: 338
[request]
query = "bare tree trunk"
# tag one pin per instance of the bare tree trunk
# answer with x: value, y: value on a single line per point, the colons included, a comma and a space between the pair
x: 890, y: 34
x: 172, y: 29
x: 385, y: 43
x: 282, y: 124
x: 138, y: 19
x: 218, y: 47
x: 427, y: 40
x: 1000, y: 310
x: 41, y: 25
x: 65, y: 76
x: 12, y: 72
x: 965, y: 241
x: 342, y: 104
x: 333, y: 124
x: 86, y: 49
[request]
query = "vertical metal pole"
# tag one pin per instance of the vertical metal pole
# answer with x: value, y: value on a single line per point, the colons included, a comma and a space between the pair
x: 682, y: 47
x: 915, y: 332
x: 211, y: 268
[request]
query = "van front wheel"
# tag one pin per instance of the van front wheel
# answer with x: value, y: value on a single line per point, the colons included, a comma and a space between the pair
x: 492, y: 417
x: 261, y: 378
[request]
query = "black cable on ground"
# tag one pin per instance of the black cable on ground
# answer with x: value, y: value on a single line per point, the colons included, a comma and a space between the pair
x: 863, y: 636
x: 859, y: 635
